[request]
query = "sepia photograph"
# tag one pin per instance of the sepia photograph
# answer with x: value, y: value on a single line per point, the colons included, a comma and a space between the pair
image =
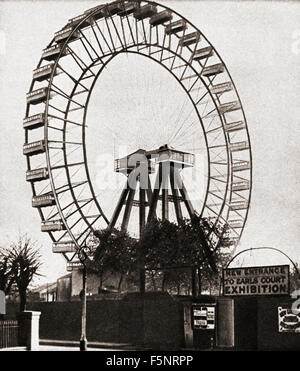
x: 149, y: 178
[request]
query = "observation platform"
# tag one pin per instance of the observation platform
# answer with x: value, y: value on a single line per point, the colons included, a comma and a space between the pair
x: 128, y: 163
x: 170, y: 154
x: 164, y: 153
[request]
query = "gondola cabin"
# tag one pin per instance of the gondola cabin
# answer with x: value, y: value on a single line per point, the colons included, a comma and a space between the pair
x: 52, y: 226
x: 63, y: 247
x: 37, y: 175
x: 234, y: 126
x: 99, y: 12
x: 64, y: 34
x: 79, y: 22
x: 44, y: 200
x: 34, y: 148
x: 51, y: 53
x: 238, y: 205
x: 129, y: 8
x: 161, y: 18
x: 189, y: 39
x: 239, y: 146
x: 74, y: 265
x: 243, y: 185
x: 221, y: 88
x: 37, y: 96
x: 229, y: 107
x: 145, y: 11
x: 236, y: 223
x: 34, y: 122
x: 43, y: 73
x: 114, y: 8
x: 213, y: 70
x: 241, y: 165
x: 203, y: 53
x: 176, y: 27
x: 230, y: 240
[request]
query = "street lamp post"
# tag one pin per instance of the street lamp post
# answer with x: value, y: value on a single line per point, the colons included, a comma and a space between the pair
x: 83, y: 340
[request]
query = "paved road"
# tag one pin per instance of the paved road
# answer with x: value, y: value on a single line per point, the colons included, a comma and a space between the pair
x: 53, y: 348
x: 64, y: 345
x: 49, y: 348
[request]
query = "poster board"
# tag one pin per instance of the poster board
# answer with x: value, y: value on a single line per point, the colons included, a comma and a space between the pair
x: 203, y: 316
x: 288, y: 320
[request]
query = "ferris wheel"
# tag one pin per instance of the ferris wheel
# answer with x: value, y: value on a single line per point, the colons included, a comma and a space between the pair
x: 201, y: 136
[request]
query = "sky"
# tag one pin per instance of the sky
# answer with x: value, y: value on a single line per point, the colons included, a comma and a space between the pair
x: 258, y: 41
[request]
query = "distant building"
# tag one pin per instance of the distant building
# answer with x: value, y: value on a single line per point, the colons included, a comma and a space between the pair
x: 45, y: 292
x: 68, y: 287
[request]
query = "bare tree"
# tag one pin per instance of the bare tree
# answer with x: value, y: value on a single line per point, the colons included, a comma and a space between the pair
x: 26, y: 261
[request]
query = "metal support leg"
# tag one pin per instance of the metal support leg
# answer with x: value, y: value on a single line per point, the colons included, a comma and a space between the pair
x: 142, y: 217
x: 149, y: 194
x: 155, y: 194
x: 175, y: 194
x: 119, y: 207
x: 183, y: 192
x: 128, y: 208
